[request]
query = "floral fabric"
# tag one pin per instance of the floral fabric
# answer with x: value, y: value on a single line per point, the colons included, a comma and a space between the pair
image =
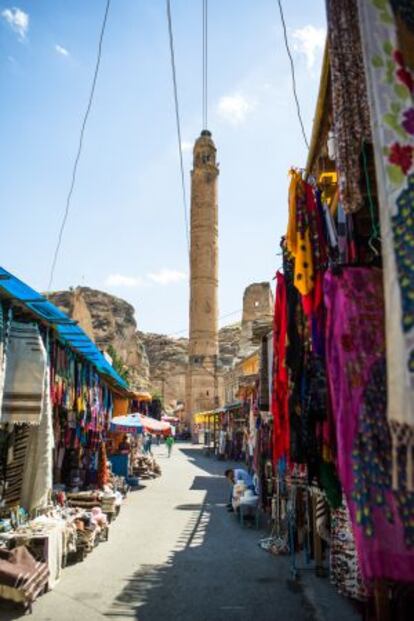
x: 391, y: 101
x: 355, y: 351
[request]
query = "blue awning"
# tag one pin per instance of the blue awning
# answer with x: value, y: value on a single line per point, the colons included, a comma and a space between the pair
x: 68, y: 332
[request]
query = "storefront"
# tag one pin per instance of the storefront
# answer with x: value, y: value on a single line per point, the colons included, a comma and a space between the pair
x: 58, y: 493
x: 334, y: 457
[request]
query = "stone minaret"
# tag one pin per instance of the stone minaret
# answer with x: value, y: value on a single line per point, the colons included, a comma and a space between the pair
x: 202, y: 381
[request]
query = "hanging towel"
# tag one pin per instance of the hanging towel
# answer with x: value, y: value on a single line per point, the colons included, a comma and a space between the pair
x: 24, y: 375
x: 391, y: 102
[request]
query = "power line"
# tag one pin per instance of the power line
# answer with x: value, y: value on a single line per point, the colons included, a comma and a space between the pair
x: 178, y: 123
x: 78, y: 154
x: 205, y: 64
x: 220, y: 318
x: 292, y: 68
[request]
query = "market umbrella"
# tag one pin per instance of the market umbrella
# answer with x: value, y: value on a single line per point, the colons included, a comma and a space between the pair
x: 131, y: 423
x: 170, y: 419
x: 153, y: 425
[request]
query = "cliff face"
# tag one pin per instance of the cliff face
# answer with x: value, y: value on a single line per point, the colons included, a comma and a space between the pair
x: 156, y: 361
x: 109, y: 321
x: 168, y: 359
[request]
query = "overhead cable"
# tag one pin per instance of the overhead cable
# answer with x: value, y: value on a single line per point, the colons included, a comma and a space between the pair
x: 80, y: 145
x: 292, y: 68
x: 205, y: 64
x: 178, y: 123
x: 220, y: 318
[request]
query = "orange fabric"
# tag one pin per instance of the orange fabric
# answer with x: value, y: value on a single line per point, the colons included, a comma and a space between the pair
x: 121, y: 406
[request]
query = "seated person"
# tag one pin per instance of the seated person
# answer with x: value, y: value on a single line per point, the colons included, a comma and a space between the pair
x: 234, y: 476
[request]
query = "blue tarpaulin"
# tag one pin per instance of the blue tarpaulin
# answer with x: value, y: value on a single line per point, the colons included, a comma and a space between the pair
x: 68, y: 332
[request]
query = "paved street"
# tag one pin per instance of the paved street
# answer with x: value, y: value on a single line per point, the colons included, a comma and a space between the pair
x: 175, y: 553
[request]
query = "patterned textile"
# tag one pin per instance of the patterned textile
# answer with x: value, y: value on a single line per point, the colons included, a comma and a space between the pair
x: 38, y: 478
x: 280, y: 375
x: 355, y: 346
x: 345, y: 573
x: 298, y: 237
x: 372, y: 463
x: 391, y: 100
x: 17, y: 452
x: 349, y: 98
x: 22, y: 578
x: 24, y: 375
x: 263, y: 401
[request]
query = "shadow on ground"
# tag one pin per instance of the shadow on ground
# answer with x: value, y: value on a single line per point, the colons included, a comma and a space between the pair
x: 216, y: 571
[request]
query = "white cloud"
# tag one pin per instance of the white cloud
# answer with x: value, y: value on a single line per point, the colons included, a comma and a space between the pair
x: 166, y: 277
x: 61, y: 50
x: 18, y: 20
x: 163, y: 277
x: 118, y: 280
x: 234, y: 108
x: 308, y: 41
x: 186, y: 146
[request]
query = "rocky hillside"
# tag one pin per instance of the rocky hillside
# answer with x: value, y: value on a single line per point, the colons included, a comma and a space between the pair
x: 168, y: 359
x: 157, y: 361
x: 109, y: 321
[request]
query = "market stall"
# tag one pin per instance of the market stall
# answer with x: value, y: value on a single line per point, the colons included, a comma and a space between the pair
x: 57, y: 492
x: 335, y: 455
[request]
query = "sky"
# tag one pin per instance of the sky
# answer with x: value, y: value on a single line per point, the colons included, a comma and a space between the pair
x: 125, y: 233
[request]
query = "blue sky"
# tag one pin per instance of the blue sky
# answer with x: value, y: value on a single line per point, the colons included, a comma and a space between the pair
x: 125, y: 233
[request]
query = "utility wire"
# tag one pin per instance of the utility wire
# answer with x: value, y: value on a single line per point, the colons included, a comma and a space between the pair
x: 205, y: 64
x: 292, y: 68
x: 220, y: 318
x: 178, y: 123
x: 78, y: 154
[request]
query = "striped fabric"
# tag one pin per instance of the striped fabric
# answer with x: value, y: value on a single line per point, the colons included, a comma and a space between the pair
x: 22, y: 578
x: 24, y: 375
x: 15, y: 467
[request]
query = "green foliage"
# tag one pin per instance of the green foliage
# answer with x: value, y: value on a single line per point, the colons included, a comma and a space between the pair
x: 156, y: 395
x: 117, y: 363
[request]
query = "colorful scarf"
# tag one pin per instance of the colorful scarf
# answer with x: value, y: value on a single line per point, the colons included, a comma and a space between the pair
x: 349, y: 98
x: 280, y: 374
x: 391, y: 101
x: 355, y: 353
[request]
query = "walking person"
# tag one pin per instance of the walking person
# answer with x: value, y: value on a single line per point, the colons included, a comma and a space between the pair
x: 170, y: 443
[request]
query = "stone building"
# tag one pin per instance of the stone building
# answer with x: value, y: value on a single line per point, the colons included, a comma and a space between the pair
x: 202, y: 387
x: 258, y: 304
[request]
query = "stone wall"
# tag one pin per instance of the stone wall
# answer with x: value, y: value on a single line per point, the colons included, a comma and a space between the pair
x: 258, y: 304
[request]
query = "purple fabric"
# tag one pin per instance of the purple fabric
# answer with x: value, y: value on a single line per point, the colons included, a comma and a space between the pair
x: 355, y: 345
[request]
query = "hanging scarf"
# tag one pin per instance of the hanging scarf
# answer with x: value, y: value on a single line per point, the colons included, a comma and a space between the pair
x: 355, y: 352
x: 280, y: 375
x: 391, y: 101
x: 349, y: 98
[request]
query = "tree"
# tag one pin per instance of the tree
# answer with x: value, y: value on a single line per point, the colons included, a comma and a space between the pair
x: 118, y: 364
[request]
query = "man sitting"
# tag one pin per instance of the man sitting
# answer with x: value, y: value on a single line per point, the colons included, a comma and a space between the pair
x: 234, y: 476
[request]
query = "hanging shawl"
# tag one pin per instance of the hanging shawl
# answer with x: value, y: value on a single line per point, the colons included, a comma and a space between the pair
x: 24, y: 375
x: 38, y: 476
x: 355, y: 352
x: 391, y: 100
x: 349, y: 98
x: 280, y: 374
x: 299, y: 234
